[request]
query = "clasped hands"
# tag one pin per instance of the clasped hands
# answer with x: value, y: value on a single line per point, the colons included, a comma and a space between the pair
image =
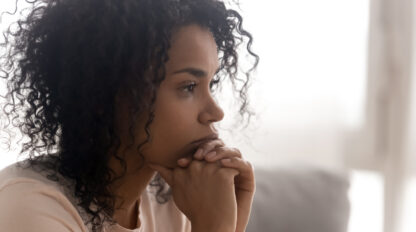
x: 215, y: 155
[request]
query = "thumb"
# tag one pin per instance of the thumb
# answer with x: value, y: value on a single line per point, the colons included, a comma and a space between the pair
x: 166, y: 173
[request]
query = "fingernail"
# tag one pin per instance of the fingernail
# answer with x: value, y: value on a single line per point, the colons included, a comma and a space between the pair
x: 226, y: 160
x: 211, y: 154
x: 182, y: 161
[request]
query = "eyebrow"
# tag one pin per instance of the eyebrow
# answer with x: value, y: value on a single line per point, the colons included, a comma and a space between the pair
x: 194, y: 72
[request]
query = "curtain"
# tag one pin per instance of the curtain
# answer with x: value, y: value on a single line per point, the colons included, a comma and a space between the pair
x: 391, y: 105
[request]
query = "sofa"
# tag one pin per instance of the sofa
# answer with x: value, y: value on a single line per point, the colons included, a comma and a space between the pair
x: 300, y: 199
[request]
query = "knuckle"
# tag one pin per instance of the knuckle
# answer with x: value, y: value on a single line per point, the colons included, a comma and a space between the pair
x: 195, y: 165
x: 224, y: 173
x: 220, y: 149
x: 237, y: 151
x: 209, y: 169
x: 211, y: 165
x: 217, y: 142
x: 221, y: 173
x: 249, y: 165
x: 207, y: 146
x: 220, y: 142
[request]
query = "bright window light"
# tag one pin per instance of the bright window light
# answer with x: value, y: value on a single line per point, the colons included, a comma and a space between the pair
x: 313, y: 53
x: 310, y: 85
x: 366, y: 199
x: 409, y: 206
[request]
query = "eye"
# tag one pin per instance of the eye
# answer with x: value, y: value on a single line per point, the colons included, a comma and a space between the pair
x: 190, y: 87
x: 213, y: 83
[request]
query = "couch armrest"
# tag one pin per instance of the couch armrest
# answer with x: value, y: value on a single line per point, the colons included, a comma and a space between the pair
x: 300, y: 199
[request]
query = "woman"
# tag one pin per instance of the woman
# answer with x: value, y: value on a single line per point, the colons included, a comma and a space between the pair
x: 114, y: 91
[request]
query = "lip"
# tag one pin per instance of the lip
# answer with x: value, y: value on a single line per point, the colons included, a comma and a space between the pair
x: 206, y: 138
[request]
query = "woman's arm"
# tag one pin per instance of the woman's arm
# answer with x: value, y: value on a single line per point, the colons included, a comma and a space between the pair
x: 32, y: 206
x: 205, y: 193
x: 216, y: 151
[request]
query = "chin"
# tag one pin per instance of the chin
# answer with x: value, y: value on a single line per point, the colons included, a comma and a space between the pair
x: 168, y: 162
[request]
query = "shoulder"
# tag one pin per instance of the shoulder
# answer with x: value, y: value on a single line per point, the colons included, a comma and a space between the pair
x: 40, y: 205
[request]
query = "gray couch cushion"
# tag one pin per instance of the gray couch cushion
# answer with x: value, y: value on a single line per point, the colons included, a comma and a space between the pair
x: 301, y: 199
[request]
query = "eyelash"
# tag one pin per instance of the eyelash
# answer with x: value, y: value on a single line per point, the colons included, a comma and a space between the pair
x: 187, y: 88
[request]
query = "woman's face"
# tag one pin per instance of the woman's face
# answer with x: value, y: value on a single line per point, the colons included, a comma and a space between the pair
x: 184, y: 108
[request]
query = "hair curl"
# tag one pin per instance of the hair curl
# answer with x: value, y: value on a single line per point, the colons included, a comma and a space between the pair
x: 67, y: 61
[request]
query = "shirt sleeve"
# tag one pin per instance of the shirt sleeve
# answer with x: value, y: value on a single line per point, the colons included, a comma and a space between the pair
x: 33, y: 206
x: 187, y: 225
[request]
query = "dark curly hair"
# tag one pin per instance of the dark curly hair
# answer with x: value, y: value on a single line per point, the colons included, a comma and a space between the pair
x: 66, y: 62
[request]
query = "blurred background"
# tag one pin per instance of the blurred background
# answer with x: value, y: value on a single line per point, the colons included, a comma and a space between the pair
x: 334, y: 90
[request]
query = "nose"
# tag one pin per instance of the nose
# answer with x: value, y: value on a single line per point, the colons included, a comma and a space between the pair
x: 211, y: 113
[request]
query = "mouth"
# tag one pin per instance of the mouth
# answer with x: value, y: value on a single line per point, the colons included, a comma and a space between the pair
x: 195, y: 144
x: 206, y: 139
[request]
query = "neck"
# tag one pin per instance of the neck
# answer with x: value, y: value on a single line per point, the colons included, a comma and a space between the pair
x: 128, y: 189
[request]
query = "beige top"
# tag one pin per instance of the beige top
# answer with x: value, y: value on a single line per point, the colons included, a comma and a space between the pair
x: 31, y: 202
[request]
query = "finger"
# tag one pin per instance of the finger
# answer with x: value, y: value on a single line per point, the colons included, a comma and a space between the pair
x: 166, y: 173
x: 196, y: 165
x: 198, y: 154
x: 246, y: 170
x: 223, y: 152
x: 229, y: 172
x: 242, y: 165
x: 184, y: 162
x: 208, y: 147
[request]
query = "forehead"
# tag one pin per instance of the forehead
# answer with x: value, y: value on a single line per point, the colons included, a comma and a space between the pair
x: 193, y: 46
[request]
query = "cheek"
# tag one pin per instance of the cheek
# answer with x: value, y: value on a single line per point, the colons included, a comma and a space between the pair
x: 174, y: 119
x: 173, y: 128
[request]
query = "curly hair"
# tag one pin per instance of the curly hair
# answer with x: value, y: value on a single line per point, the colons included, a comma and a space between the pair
x: 66, y: 62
